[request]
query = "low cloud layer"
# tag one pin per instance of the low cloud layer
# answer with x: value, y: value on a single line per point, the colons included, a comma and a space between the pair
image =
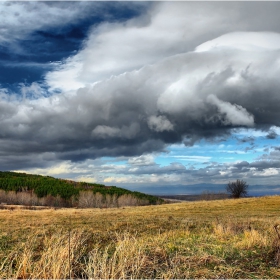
x: 144, y: 171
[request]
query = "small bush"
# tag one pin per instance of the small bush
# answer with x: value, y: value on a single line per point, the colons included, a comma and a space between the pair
x: 237, y: 189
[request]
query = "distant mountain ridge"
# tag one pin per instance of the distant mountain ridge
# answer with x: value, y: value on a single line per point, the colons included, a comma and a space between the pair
x: 30, y: 189
x: 197, y: 189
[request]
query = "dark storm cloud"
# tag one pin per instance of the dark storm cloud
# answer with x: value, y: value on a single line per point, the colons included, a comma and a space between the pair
x: 142, y: 111
x: 247, y: 139
x: 251, y: 148
x: 271, y: 135
x: 261, y: 170
x: 272, y: 157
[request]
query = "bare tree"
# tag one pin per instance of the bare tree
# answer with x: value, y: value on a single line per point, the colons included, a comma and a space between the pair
x: 237, y: 189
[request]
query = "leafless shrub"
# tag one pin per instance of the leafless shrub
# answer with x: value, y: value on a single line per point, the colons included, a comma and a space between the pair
x: 26, y: 198
x: 237, y: 189
x: 129, y: 200
x: 86, y: 199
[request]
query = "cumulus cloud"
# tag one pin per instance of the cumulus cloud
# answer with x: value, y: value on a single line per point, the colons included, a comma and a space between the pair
x: 271, y: 134
x: 144, y: 110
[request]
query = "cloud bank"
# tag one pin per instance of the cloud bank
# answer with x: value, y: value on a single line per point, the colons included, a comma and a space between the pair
x: 143, y: 110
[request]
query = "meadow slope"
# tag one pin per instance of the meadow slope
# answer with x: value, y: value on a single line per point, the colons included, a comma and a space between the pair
x: 203, y: 239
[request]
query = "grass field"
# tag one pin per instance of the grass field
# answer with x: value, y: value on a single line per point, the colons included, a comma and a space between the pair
x: 206, y: 239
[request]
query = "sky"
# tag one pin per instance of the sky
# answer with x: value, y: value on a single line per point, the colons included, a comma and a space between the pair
x: 159, y: 97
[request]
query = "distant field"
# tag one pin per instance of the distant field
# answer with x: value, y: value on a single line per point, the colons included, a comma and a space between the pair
x: 195, y: 197
x: 203, y: 239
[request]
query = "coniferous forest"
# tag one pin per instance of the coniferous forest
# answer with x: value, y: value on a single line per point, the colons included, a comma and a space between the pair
x: 28, y: 189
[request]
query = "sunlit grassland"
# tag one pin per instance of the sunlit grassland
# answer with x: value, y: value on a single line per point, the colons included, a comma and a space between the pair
x: 207, y: 239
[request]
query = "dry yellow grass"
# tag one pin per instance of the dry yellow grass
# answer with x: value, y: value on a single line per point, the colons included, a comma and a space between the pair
x: 207, y: 239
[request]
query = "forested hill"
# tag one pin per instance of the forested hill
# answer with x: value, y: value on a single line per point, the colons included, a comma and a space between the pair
x: 22, y: 188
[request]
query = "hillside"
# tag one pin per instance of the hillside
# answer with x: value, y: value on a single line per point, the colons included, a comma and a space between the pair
x: 28, y: 189
x: 232, y: 238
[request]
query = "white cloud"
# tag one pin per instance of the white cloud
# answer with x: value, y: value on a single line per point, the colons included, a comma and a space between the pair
x: 267, y: 172
x: 245, y: 41
x: 56, y: 169
x: 66, y: 75
x: 141, y: 160
x: 115, y: 180
x: 234, y: 114
x: 239, y: 152
x: 127, y: 132
x: 167, y: 29
x: 159, y: 123
x: 33, y: 91
x: 193, y: 158
x: 88, y: 179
